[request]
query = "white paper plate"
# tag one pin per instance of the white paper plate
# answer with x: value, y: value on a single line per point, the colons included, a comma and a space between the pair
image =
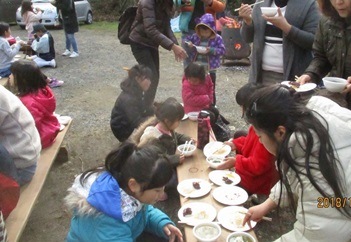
x: 217, y: 177
x: 216, y: 148
x: 230, y: 195
x: 186, y: 188
x: 302, y: 88
x: 231, y: 218
x: 201, y: 212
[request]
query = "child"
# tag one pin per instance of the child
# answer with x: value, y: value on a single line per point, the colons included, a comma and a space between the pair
x: 114, y: 203
x: 7, y: 52
x: 206, y: 36
x: 30, y: 18
x: 313, y: 150
x: 254, y: 164
x: 35, y: 94
x: 130, y: 109
x: 197, y: 88
x: 160, y: 130
x: 19, y: 137
x: 43, y: 45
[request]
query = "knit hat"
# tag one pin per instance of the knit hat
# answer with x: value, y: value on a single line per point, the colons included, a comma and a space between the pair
x: 38, y: 27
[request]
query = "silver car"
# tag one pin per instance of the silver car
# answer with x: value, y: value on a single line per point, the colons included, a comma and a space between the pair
x: 49, y: 16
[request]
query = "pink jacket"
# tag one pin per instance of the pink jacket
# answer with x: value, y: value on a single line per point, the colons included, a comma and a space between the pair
x: 197, y: 97
x: 254, y: 164
x: 42, y: 106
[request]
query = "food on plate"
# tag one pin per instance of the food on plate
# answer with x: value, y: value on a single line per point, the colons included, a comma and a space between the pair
x: 240, y: 239
x: 196, y: 185
x: 238, y: 219
x: 187, y: 211
x: 201, y: 215
x: 206, y: 232
x: 233, y: 196
x: 227, y: 180
x: 294, y: 85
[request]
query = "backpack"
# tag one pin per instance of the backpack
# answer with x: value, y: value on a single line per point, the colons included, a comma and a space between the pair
x: 125, y: 23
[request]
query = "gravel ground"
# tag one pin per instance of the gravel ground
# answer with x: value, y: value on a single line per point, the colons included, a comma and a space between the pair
x: 88, y: 95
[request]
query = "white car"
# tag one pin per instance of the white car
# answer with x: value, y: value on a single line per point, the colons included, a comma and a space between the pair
x: 49, y: 16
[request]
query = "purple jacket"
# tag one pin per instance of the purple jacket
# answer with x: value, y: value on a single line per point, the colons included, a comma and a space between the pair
x: 215, y: 42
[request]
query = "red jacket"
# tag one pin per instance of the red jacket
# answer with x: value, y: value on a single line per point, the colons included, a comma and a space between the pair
x: 42, y: 106
x: 254, y: 164
x: 197, y: 97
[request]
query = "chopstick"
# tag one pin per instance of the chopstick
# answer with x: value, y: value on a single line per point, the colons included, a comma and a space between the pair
x: 237, y: 9
x: 222, y: 146
x: 185, y: 147
x: 263, y: 218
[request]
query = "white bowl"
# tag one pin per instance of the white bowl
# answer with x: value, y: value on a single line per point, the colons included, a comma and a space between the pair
x: 207, y: 232
x: 193, y: 116
x: 215, y: 161
x: 334, y: 84
x: 269, y: 11
x: 231, y: 237
x: 190, y: 149
x: 201, y: 49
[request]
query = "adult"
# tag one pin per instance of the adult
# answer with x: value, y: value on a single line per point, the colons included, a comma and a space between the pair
x: 68, y: 16
x: 150, y: 30
x: 332, y: 45
x: 190, y: 13
x: 18, y: 136
x: 282, y: 45
x: 313, y: 150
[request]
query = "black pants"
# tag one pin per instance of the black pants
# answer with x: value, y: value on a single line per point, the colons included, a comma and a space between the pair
x: 149, y: 57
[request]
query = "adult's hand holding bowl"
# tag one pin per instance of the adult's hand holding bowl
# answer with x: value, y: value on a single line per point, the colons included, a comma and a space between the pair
x: 269, y: 11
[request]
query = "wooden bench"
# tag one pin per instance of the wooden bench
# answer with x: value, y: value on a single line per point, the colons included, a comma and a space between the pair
x: 17, y: 220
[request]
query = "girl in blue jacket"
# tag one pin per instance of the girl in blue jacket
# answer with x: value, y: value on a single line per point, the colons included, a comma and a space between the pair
x: 113, y: 203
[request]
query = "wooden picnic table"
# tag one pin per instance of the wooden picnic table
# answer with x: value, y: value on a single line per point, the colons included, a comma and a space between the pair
x: 197, y: 167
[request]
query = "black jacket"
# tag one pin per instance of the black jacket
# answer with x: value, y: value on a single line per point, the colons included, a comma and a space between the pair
x: 129, y: 112
x: 69, y: 16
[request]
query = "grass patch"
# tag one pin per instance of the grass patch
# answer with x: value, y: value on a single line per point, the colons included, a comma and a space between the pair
x: 101, y: 25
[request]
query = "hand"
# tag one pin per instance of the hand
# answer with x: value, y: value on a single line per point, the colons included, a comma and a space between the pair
x: 228, y: 163
x: 181, y: 158
x: 304, y: 79
x: 245, y: 12
x: 279, y: 21
x: 173, y: 232
x: 348, y: 85
x: 256, y: 213
x: 207, y: 2
x: 179, y: 53
x: 231, y: 144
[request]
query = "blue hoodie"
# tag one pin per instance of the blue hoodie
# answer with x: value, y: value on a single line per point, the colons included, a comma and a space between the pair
x: 98, y: 215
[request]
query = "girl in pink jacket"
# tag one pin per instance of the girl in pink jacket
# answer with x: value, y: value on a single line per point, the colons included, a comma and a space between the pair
x: 30, y: 17
x: 37, y: 96
x: 197, y: 88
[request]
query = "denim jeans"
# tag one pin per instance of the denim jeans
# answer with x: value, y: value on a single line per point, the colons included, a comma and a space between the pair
x: 5, y: 72
x: 71, y: 41
x: 7, y: 167
x: 149, y: 57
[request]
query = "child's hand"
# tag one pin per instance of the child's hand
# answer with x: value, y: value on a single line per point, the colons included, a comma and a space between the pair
x: 181, y: 158
x: 228, y: 163
x: 231, y: 144
x: 173, y: 232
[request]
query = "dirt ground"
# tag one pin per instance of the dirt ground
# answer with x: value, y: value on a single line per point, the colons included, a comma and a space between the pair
x: 88, y: 95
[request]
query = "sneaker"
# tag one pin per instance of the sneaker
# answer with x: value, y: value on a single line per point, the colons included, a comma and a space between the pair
x: 53, y: 63
x: 66, y: 53
x: 74, y: 55
x: 55, y: 83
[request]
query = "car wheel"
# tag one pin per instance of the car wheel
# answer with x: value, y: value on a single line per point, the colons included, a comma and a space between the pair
x: 89, y: 19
